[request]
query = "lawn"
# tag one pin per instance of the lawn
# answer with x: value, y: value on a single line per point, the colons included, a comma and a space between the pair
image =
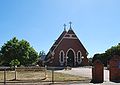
x: 39, y: 76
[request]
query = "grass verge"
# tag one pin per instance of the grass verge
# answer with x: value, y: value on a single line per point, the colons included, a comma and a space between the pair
x: 39, y: 76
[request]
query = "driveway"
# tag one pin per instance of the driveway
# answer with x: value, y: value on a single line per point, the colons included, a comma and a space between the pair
x: 84, y: 72
x: 87, y: 72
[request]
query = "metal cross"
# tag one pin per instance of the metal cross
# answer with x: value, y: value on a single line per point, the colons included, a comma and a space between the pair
x: 64, y: 27
x: 70, y: 24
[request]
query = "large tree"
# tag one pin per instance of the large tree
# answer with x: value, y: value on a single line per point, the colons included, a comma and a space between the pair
x: 105, y: 57
x: 41, y: 53
x: 114, y: 50
x: 20, y: 50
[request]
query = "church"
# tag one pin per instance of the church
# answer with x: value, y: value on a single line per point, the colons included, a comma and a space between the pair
x: 67, y: 51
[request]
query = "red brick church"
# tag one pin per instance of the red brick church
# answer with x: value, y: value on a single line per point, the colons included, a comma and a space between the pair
x: 67, y: 51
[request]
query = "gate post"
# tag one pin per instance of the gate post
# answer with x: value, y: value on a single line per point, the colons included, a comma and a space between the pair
x: 52, y: 75
x: 97, y: 72
x: 4, y: 76
x: 45, y: 69
x: 114, y: 69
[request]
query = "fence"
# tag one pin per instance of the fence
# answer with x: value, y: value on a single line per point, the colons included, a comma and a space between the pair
x: 34, y: 74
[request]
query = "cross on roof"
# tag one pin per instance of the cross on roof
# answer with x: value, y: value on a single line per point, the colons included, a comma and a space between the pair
x: 64, y: 27
x: 70, y: 24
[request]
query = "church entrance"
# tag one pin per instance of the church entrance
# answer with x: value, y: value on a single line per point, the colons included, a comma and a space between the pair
x: 70, y: 58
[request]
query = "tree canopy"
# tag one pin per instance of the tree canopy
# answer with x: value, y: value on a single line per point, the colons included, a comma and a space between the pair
x: 15, y: 62
x: 20, y: 50
x: 104, y: 57
x: 41, y: 53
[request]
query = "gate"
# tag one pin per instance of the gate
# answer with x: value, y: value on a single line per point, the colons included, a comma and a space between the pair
x: 97, y: 72
x: 114, y: 69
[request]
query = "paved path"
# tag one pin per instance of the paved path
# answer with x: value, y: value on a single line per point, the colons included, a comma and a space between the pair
x: 87, y: 72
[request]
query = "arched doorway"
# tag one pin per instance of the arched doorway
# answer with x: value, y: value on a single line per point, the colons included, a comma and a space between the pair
x: 70, y: 58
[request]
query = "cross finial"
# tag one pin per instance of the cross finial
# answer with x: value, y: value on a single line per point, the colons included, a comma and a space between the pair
x: 70, y: 24
x: 64, y: 27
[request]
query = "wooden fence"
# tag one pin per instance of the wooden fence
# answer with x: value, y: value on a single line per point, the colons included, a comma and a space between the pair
x: 26, y: 69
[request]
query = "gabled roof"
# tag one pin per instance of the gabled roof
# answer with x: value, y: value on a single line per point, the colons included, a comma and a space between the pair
x: 64, y: 33
x: 61, y: 36
x: 70, y: 31
x: 56, y: 42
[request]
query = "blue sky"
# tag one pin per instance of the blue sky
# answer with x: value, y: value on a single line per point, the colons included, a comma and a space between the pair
x: 95, y: 22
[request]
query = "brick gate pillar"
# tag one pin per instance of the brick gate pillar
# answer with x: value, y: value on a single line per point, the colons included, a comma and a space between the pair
x: 97, y: 72
x: 114, y: 69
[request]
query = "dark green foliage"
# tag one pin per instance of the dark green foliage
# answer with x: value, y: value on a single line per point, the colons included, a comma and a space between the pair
x: 15, y: 62
x: 105, y: 57
x: 115, y: 50
x: 95, y: 57
x: 0, y: 58
x: 19, y: 50
x: 90, y: 61
x: 42, y: 53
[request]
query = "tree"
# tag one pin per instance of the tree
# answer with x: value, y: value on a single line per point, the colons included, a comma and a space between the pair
x: 20, y: 50
x: 1, y: 58
x: 23, y: 52
x: 90, y: 61
x: 105, y: 57
x: 14, y: 62
x: 42, y: 53
x: 41, y: 59
x: 33, y: 56
x: 95, y: 57
x: 8, y: 51
x: 114, y: 50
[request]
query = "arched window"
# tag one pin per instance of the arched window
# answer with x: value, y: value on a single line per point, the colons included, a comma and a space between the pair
x: 61, y: 56
x: 79, y: 55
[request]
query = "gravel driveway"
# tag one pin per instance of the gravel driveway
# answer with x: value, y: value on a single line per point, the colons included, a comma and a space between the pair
x: 87, y: 72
